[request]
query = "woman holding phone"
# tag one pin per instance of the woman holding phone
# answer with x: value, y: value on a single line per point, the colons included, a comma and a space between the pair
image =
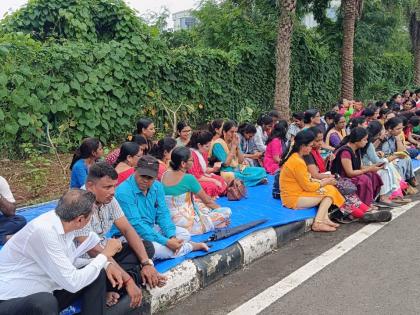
x: 348, y: 164
x: 353, y: 208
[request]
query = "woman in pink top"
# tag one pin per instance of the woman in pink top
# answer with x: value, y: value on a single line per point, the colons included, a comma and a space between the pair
x: 358, y: 109
x: 276, y: 146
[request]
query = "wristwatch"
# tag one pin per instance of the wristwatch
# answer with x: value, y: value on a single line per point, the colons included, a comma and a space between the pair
x: 147, y: 262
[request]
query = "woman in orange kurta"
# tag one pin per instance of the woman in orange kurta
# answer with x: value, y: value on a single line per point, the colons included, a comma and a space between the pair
x: 298, y: 190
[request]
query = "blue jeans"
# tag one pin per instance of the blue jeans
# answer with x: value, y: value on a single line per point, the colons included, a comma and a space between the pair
x: 10, y: 225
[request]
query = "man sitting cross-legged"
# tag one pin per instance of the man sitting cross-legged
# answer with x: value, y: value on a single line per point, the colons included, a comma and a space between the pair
x: 40, y: 273
x: 101, y: 181
x: 142, y: 199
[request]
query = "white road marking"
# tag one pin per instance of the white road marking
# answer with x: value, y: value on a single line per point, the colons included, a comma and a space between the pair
x: 292, y: 281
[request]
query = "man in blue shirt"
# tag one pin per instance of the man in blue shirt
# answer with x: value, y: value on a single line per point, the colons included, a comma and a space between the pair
x: 142, y: 200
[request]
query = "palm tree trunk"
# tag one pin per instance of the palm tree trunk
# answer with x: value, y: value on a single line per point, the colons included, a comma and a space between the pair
x: 347, y: 84
x: 417, y: 64
x: 283, y: 58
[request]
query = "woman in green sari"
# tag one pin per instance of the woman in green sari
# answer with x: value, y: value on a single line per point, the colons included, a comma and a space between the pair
x: 226, y: 150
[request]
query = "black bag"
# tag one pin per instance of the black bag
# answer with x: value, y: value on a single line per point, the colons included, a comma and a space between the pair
x: 276, y: 186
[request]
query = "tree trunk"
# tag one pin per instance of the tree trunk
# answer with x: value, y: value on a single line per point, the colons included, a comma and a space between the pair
x: 283, y: 58
x: 417, y: 64
x: 347, y: 84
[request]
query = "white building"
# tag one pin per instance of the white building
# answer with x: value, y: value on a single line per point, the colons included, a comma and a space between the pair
x: 183, y: 20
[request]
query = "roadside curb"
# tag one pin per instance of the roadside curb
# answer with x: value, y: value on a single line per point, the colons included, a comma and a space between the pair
x: 193, y: 275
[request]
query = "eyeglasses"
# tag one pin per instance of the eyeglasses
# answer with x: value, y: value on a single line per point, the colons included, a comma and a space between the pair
x: 186, y: 131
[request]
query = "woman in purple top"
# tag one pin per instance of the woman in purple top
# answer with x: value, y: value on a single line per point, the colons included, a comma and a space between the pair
x: 336, y: 132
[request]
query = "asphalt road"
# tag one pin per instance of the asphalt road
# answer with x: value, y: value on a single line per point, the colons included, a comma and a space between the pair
x: 379, y: 276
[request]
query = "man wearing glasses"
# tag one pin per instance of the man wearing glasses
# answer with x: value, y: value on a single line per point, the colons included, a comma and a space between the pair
x: 142, y: 199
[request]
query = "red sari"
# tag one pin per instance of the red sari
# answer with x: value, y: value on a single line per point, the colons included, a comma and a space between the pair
x: 197, y: 170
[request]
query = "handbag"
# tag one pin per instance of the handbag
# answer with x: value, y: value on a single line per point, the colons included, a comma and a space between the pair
x: 346, y: 186
x: 236, y: 190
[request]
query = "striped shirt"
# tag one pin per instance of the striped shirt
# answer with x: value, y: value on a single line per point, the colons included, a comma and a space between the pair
x: 103, y: 217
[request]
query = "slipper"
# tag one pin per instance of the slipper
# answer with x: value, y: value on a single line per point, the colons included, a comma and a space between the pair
x: 402, y: 201
x: 345, y: 220
x: 387, y: 204
x: 377, y: 205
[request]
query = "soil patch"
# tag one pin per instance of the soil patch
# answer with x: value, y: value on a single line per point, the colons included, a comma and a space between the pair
x: 48, y: 182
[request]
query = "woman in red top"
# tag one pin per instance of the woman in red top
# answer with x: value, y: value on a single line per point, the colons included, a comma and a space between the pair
x: 212, y: 184
x: 130, y: 153
x: 140, y: 140
x: 162, y: 152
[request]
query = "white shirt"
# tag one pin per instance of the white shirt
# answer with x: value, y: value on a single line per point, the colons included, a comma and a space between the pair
x: 260, y: 138
x: 5, y: 190
x: 37, y: 259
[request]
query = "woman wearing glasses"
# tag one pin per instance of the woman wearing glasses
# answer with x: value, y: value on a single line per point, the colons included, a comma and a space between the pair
x: 184, y: 134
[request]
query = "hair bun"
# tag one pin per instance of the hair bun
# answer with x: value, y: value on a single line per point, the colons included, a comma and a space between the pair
x: 172, y: 165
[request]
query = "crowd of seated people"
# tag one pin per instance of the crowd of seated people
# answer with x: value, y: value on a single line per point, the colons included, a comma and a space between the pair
x: 149, y: 196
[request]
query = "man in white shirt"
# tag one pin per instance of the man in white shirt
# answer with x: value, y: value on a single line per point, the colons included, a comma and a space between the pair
x: 39, y: 273
x: 10, y: 223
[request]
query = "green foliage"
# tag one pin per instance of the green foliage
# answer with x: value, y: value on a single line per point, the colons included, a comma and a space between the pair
x: 382, y: 76
x: 315, y: 72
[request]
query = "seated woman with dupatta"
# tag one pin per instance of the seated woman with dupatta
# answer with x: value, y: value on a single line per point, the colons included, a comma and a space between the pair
x: 226, y: 150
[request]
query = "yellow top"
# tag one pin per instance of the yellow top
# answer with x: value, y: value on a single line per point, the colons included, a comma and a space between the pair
x: 296, y: 181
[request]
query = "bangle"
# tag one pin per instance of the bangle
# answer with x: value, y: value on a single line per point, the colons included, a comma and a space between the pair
x: 127, y: 281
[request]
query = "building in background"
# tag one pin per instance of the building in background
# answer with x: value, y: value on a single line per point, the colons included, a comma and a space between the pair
x: 309, y: 20
x: 183, y: 20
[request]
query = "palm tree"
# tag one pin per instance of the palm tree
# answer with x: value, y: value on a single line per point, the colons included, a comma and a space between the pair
x: 283, y: 57
x: 352, y: 10
x: 415, y: 41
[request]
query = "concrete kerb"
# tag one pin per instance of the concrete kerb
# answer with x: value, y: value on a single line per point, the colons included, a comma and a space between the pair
x: 192, y: 275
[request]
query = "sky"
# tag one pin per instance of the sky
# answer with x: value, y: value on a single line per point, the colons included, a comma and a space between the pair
x: 142, y: 6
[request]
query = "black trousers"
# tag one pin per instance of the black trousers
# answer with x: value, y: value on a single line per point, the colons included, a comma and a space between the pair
x: 43, y: 303
x: 128, y: 260
x: 10, y: 225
